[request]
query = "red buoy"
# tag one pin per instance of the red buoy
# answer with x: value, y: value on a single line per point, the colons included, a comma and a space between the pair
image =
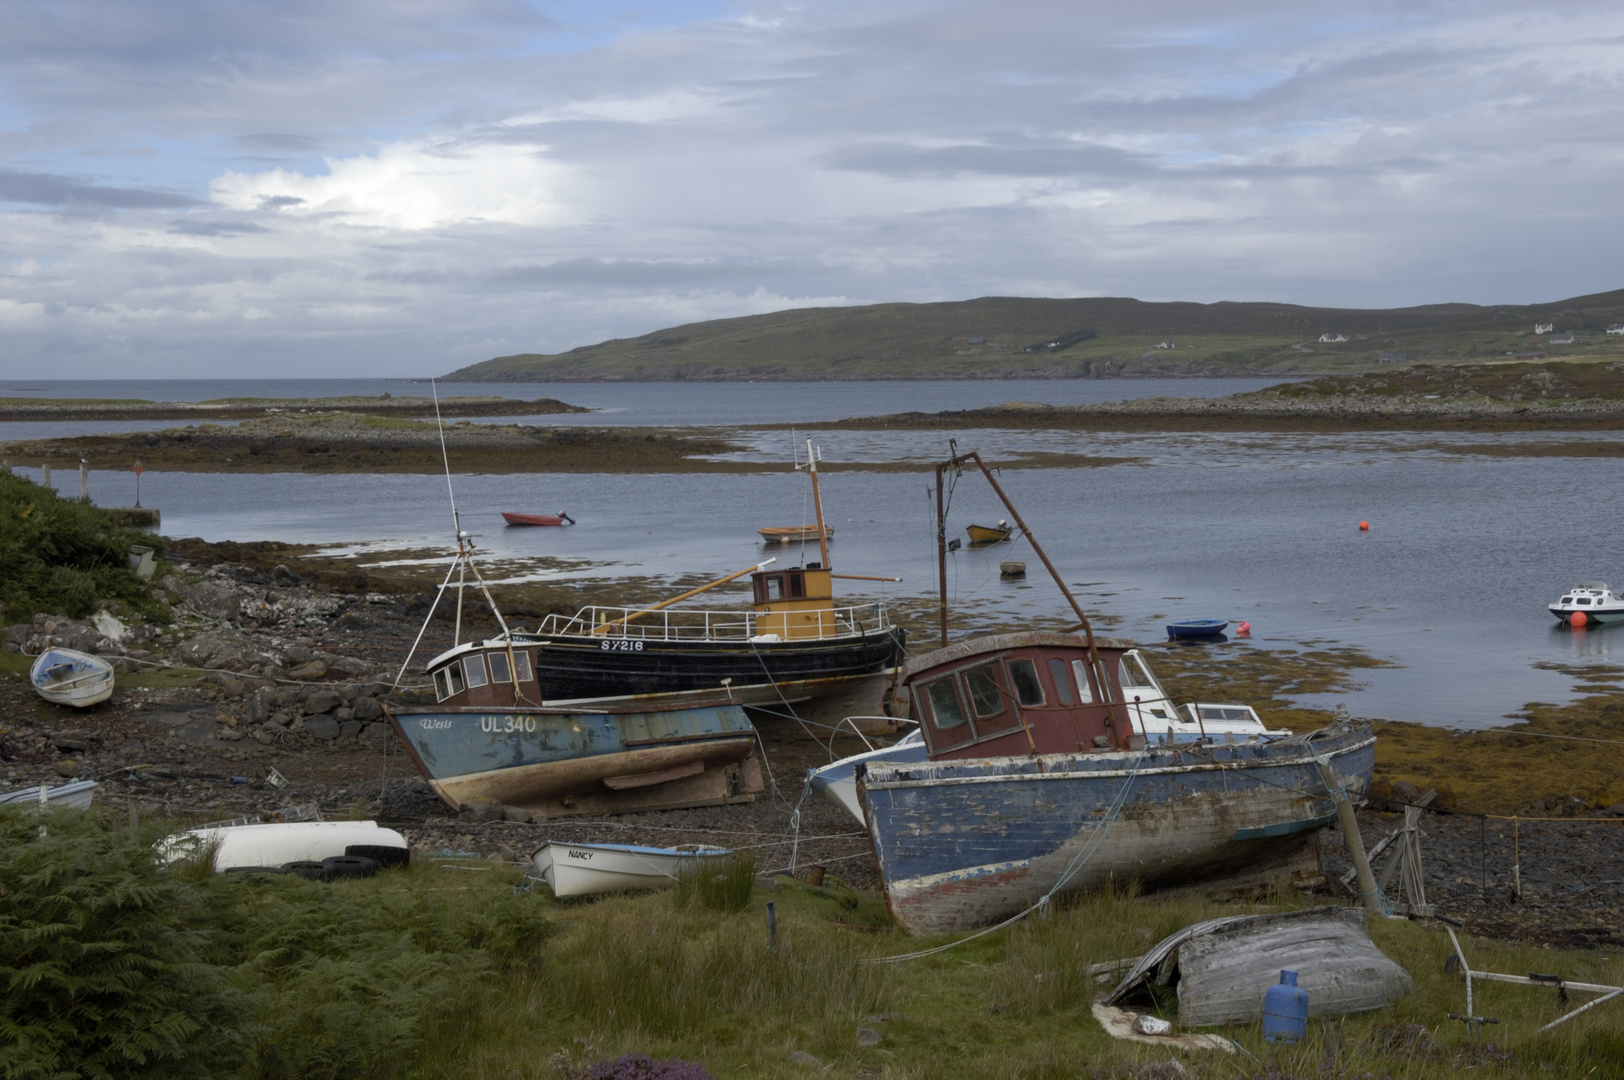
x: 1578, y: 620
x: 1364, y: 526
x: 1243, y: 630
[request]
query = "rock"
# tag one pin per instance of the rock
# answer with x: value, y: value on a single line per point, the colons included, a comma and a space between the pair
x: 108, y: 627
x: 70, y: 746
x: 320, y: 701
x: 215, y: 601
x: 481, y: 810
x: 259, y: 706
x: 308, y: 672
x: 366, y: 708
x: 284, y: 577
x: 66, y: 767
x: 801, y: 1057
x: 1407, y: 791
x: 235, y: 688
x: 15, y: 635
x: 375, y: 735
x: 344, y: 715
x: 867, y: 1037
x: 516, y: 813
x: 349, y: 729
x: 1151, y: 1025
x: 322, y: 727
x: 280, y: 719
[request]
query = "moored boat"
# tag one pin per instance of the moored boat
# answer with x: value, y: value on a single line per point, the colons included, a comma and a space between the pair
x: 989, y: 534
x: 1197, y: 628
x: 790, y: 534
x: 69, y: 677
x: 590, y: 869
x: 537, y: 519
x: 1588, y: 602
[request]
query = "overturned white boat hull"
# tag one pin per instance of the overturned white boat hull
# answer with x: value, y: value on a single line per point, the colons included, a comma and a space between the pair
x: 69, y: 677
x: 74, y: 796
x: 237, y: 846
x: 589, y: 869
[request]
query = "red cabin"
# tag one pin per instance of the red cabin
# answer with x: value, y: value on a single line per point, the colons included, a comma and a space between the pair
x: 1015, y: 694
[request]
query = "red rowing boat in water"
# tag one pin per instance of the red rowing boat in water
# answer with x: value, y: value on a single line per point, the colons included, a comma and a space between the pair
x: 537, y: 519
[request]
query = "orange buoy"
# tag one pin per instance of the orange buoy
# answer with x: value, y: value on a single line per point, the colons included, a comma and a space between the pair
x: 1364, y: 526
x: 1244, y: 630
x: 1578, y: 620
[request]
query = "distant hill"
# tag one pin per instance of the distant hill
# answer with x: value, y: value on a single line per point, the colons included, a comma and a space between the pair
x: 1001, y: 337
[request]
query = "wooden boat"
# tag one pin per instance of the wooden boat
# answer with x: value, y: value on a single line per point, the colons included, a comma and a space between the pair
x: 537, y: 519
x: 1592, y: 599
x: 76, y: 795
x: 1050, y: 792
x: 790, y: 534
x: 794, y: 633
x: 1197, y: 628
x: 589, y: 869
x: 490, y: 737
x: 67, y: 677
x: 1037, y: 785
x: 240, y: 845
x: 985, y: 534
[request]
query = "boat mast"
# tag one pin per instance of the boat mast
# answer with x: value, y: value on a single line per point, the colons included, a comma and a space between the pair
x: 817, y: 503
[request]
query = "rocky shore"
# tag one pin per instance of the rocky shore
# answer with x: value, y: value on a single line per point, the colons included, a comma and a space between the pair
x: 252, y: 408
x: 264, y: 694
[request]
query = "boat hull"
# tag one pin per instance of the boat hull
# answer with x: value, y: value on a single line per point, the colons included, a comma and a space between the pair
x: 67, y: 677
x: 531, y: 519
x: 591, y: 869
x: 1604, y: 615
x: 1197, y: 628
x: 791, y: 534
x: 561, y: 764
x: 275, y: 844
x: 75, y: 795
x: 981, y: 534
x: 588, y: 666
x: 969, y: 842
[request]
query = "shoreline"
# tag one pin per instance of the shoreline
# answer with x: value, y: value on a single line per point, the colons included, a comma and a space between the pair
x: 71, y: 409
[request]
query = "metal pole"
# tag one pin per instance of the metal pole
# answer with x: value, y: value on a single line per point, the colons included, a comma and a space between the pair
x: 941, y: 550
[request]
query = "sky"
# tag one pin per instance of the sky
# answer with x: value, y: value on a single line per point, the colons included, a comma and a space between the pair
x: 249, y: 188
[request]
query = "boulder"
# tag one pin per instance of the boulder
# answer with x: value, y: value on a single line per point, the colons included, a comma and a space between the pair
x: 322, y: 727
x: 308, y: 672
x: 349, y: 729
x: 320, y: 701
x: 215, y: 601
x: 367, y: 709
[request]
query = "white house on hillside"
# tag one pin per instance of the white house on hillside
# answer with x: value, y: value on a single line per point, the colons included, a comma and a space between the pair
x: 1616, y: 328
x: 1544, y: 327
x: 1332, y: 339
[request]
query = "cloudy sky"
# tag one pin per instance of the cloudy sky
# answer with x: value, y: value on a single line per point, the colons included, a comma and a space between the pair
x: 195, y: 188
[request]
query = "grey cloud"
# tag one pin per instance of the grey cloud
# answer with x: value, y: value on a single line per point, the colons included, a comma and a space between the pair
x: 186, y: 227
x: 894, y: 159
x: 46, y: 189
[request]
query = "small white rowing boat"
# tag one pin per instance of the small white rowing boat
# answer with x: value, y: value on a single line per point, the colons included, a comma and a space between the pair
x: 587, y: 869
x: 74, y: 796
x: 278, y: 843
x: 67, y: 677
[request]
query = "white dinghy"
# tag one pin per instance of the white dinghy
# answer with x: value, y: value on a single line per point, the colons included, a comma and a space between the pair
x: 237, y: 846
x: 73, y: 796
x: 588, y: 869
x: 67, y: 677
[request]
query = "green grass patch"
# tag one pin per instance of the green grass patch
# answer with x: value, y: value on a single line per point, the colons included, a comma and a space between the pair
x: 61, y: 555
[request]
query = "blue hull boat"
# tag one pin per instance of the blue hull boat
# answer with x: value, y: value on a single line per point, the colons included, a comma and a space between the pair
x: 1197, y: 628
x: 556, y: 762
x: 967, y: 842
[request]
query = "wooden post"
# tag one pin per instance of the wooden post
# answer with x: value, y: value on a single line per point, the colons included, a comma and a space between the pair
x: 1350, y: 833
x: 45, y: 475
x: 84, y: 480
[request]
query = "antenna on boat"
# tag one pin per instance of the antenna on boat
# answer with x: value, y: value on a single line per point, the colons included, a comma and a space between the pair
x: 813, y: 456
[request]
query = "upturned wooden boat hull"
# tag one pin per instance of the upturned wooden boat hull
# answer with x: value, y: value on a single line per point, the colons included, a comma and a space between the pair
x: 589, y: 666
x: 274, y: 844
x: 969, y: 842
x: 69, y: 677
x: 591, y: 869
x: 559, y: 763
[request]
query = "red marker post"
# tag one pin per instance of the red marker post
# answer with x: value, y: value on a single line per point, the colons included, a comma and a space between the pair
x: 138, y: 471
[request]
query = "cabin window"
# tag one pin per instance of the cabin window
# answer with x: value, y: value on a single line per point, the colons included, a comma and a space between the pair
x: 448, y: 681
x: 945, y: 711
x: 775, y: 588
x: 474, y: 666
x: 441, y: 691
x: 521, y: 660
x: 499, y: 667
x: 1584, y: 600
x: 1024, y: 674
x: 1062, y: 684
x: 985, y: 694
x: 797, y: 585
x: 1085, y: 689
x: 1129, y: 675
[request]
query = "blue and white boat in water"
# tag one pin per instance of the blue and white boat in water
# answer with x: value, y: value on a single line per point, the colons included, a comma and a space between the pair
x: 1043, y: 778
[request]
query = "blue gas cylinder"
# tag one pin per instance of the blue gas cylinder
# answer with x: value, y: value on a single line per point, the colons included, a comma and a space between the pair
x: 1285, y: 1010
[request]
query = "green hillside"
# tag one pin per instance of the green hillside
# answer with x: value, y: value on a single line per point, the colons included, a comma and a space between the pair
x: 1016, y: 337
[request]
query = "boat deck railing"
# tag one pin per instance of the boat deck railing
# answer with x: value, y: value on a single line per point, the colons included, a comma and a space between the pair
x: 639, y: 624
